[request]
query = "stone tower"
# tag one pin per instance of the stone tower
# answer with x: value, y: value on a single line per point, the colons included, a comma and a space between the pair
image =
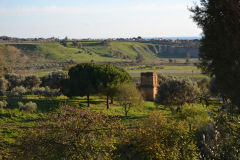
x: 149, y: 85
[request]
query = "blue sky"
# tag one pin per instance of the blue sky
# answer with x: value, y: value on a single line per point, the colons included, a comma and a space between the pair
x: 96, y: 18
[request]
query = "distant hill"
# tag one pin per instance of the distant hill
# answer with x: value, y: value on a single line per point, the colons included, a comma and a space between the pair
x: 103, y: 51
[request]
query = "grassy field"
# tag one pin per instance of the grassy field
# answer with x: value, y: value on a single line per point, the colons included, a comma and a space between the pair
x: 182, y: 71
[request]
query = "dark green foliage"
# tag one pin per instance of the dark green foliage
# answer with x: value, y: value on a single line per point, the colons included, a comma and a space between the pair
x: 89, y: 78
x: 177, y: 92
x: 163, y: 78
x: 220, y: 139
x: 32, y: 81
x: 46, y: 91
x: 84, y: 79
x: 14, y: 80
x: 54, y: 79
x: 220, y: 45
x: 112, y: 77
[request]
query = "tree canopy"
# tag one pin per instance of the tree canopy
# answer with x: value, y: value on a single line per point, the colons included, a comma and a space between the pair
x: 88, y: 78
x: 177, y: 92
x: 220, y: 45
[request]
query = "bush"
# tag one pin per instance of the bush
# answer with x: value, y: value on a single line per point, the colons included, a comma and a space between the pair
x: 46, y: 91
x: 31, y: 82
x: 17, y: 92
x: 71, y: 133
x: 29, y: 107
x: 14, y: 80
x: 3, y: 104
x: 158, y: 138
x: 196, y: 114
x: 177, y: 92
x: 163, y: 78
x: 3, y: 84
x: 54, y: 79
x: 220, y: 138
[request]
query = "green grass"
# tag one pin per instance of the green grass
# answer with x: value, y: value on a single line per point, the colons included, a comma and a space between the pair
x: 181, y: 71
x: 13, y: 122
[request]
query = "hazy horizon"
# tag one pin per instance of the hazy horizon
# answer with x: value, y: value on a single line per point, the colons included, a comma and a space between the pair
x: 97, y: 20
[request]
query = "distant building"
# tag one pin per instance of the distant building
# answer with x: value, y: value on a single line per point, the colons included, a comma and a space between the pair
x: 149, y: 85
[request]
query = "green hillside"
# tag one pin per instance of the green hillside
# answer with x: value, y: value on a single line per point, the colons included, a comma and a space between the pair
x: 98, y: 51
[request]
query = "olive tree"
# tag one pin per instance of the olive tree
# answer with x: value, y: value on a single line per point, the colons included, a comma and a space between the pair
x: 54, y: 79
x: 14, y: 80
x: 177, y: 92
x: 32, y: 81
x: 128, y: 96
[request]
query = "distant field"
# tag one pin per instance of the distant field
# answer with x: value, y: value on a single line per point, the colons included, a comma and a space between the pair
x: 46, y: 57
x: 182, y: 71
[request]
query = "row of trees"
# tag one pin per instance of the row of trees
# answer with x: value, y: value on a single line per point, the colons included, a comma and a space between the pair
x: 91, y: 79
x: 52, y: 80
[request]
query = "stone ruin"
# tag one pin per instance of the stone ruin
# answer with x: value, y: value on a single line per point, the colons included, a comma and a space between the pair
x: 149, y: 85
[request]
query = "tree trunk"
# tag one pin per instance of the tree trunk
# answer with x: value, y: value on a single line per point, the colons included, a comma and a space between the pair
x: 88, y: 99
x: 107, y: 102
x: 126, y: 111
x: 111, y: 100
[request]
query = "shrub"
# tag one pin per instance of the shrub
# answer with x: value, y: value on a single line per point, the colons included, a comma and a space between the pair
x: 17, y: 92
x: 46, y: 91
x: 3, y: 104
x: 54, y: 79
x: 220, y: 138
x: 3, y: 84
x: 32, y: 81
x: 196, y: 114
x: 29, y: 107
x: 71, y: 133
x: 14, y: 80
x: 158, y: 138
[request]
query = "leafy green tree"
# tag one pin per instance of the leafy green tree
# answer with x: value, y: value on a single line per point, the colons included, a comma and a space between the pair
x: 89, y: 78
x: 220, y: 44
x: 177, y: 92
x: 128, y: 96
x: 112, y: 77
x: 84, y: 80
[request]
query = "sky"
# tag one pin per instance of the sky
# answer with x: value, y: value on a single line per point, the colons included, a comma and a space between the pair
x: 97, y: 18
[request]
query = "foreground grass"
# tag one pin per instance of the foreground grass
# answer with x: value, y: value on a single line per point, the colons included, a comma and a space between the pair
x: 14, y: 123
